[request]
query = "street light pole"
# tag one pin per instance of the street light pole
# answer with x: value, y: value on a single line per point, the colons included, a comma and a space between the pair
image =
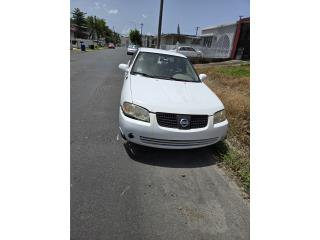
x: 197, y: 30
x: 160, y: 24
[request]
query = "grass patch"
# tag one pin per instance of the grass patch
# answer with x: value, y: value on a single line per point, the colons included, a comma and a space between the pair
x: 232, y: 85
x: 239, y: 166
x: 234, y: 162
x: 234, y: 71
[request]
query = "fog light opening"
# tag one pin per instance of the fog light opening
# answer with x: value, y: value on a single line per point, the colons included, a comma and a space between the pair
x: 130, y: 135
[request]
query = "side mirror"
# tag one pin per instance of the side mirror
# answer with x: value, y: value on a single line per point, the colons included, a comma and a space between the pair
x: 124, y: 67
x: 202, y: 77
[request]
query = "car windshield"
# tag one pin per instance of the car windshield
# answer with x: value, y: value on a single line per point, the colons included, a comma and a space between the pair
x: 163, y: 66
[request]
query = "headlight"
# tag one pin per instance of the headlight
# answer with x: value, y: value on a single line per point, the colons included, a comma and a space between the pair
x: 219, y: 117
x: 136, y: 112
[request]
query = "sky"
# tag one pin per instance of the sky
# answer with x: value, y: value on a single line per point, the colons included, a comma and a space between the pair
x: 124, y: 15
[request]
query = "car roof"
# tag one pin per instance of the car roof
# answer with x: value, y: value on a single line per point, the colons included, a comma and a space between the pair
x: 160, y: 51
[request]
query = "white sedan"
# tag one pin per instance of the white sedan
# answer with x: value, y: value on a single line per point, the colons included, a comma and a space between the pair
x: 132, y: 49
x: 165, y: 104
x: 189, y: 52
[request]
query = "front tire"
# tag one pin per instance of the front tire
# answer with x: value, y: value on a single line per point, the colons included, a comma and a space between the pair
x: 134, y: 150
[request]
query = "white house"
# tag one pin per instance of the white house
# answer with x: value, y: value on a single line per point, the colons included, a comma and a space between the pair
x: 79, y: 35
x: 217, y: 41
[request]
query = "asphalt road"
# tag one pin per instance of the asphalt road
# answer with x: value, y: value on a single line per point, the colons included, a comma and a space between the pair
x: 161, y: 194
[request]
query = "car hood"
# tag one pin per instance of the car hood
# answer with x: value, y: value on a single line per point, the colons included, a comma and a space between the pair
x: 159, y: 95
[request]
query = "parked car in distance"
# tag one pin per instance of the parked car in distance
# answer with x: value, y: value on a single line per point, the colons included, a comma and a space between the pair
x: 132, y: 49
x: 165, y: 104
x: 189, y: 52
x: 111, y: 45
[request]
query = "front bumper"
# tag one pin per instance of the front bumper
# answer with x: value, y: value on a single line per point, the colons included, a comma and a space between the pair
x: 153, y: 135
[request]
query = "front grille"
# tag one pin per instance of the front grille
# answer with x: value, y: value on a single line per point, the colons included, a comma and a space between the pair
x: 171, y: 120
x: 177, y: 143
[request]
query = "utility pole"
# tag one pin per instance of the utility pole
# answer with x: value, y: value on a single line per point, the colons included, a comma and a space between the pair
x: 113, y: 35
x: 197, y: 30
x: 95, y: 28
x: 160, y: 24
x: 141, y: 25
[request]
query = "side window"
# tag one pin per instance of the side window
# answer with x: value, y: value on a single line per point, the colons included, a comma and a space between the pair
x: 191, y: 49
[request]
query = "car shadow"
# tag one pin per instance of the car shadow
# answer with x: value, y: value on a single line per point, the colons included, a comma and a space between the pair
x: 186, y: 158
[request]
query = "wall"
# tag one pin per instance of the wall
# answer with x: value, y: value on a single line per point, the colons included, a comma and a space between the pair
x: 217, y: 41
x: 243, y: 45
x: 75, y: 43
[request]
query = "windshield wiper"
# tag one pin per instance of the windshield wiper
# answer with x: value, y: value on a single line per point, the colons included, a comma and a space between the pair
x: 143, y: 74
x: 160, y: 77
x: 171, y: 78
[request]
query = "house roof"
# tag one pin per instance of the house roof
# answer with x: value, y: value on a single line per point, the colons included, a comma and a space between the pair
x: 218, y: 26
x: 176, y: 34
x: 244, y: 20
x: 77, y: 26
x: 228, y: 24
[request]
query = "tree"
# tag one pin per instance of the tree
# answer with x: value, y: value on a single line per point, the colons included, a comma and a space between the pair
x: 135, y: 37
x: 91, y: 26
x: 116, y: 38
x: 100, y: 25
x: 109, y: 34
x: 112, y: 36
x: 96, y: 27
x: 78, y: 17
